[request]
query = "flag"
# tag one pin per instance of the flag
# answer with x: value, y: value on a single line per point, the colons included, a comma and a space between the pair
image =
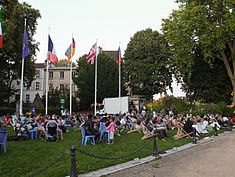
x: 0, y: 29
x: 51, y: 51
x: 92, y: 54
x: 119, y: 56
x: 68, y: 51
x: 25, y: 50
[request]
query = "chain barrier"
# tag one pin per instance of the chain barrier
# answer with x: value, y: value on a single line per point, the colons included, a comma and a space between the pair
x: 91, y: 155
x: 51, y: 164
x: 114, y: 158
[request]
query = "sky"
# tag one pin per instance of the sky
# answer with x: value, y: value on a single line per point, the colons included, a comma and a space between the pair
x: 110, y: 22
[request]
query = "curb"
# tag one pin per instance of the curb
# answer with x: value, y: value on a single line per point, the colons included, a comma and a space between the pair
x: 126, y: 165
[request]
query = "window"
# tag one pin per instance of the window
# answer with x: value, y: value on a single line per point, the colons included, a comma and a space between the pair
x: 28, y: 87
x: 37, y: 73
x: 50, y: 75
x: 50, y: 87
x: 17, y: 97
x: 61, y: 86
x: 61, y: 74
x: 27, y: 97
x: 73, y: 87
x: 73, y: 74
x: 37, y: 86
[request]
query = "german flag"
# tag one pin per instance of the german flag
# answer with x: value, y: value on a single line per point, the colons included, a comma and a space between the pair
x: 70, y: 50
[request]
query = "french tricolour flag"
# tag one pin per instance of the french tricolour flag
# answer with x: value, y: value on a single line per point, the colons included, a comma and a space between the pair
x: 51, y: 51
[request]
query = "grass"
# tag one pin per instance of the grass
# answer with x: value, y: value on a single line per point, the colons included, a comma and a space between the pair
x: 27, y: 157
x: 156, y: 165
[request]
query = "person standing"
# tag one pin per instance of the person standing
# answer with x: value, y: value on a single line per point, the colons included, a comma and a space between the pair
x: 111, y: 127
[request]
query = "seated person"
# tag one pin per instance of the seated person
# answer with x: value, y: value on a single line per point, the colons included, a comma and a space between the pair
x: 161, y: 129
x: 188, y: 125
x: 89, y: 128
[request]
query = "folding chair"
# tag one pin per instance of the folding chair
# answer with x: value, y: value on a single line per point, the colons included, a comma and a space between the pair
x: 182, y: 133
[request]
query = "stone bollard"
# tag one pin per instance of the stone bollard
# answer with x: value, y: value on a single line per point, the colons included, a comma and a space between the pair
x: 215, y: 133
x: 155, y: 151
x: 73, y: 170
x: 194, y: 136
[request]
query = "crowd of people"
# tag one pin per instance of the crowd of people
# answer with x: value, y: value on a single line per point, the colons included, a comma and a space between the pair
x: 148, y: 124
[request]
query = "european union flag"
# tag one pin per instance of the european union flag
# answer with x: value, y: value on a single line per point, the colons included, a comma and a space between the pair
x: 25, y: 50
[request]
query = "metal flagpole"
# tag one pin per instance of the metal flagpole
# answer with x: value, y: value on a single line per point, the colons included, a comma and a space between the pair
x: 47, y: 78
x: 96, y: 77
x: 22, y: 82
x: 47, y: 85
x: 71, y: 96
x: 119, y: 80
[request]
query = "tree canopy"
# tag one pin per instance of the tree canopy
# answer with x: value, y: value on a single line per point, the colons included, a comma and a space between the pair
x: 64, y: 62
x: 13, y: 19
x: 208, y: 25
x: 107, y: 80
x: 207, y: 84
x: 146, y: 68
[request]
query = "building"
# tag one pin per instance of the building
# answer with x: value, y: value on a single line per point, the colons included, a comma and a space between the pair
x: 59, y: 78
x: 37, y: 86
x: 112, y: 53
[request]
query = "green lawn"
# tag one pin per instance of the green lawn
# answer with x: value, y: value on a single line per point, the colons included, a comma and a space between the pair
x: 26, y: 157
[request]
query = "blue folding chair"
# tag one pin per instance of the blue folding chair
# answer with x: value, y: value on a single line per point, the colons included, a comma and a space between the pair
x: 108, y: 131
x: 33, y: 133
x: 102, y: 131
x: 85, y: 138
x: 3, y: 138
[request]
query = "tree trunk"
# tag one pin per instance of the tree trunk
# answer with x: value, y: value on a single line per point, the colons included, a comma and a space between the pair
x: 231, y: 71
x: 233, y: 101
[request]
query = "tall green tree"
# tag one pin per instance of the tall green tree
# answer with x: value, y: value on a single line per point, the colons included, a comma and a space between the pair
x: 208, y: 24
x: 54, y: 96
x: 146, y: 67
x: 207, y: 84
x: 13, y: 19
x: 107, y: 82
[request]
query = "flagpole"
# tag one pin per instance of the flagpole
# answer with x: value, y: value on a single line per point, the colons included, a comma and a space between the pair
x: 96, y: 77
x: 71, y: 96
x: 22, y: 82
x: 120, y: 81
x: 47, y: 79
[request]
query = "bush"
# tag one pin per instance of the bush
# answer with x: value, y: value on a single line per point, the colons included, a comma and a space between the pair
x: 7, y: 110
x: 11, y: 111
x: 170, y: 102
x: 209, y: 108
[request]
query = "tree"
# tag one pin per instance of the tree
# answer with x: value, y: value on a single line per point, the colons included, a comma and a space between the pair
x: 107, y: 84
x: 208, y: 24
x: 54, y: 96
x: 146, y: 67
x: 13, y: 18
x: 64, y: 62
x: 207, y: 84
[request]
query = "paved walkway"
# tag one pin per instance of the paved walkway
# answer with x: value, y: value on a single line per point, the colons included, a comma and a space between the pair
x: 213, y: 158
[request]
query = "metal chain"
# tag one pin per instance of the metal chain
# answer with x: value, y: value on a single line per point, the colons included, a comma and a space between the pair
x: 51, y: 164
x: 114, y: 158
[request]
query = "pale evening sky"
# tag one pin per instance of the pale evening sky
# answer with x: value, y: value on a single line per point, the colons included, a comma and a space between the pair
x: 109, y: 21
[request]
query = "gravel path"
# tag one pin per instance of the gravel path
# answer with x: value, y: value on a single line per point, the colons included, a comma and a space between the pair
x: 211, y: 159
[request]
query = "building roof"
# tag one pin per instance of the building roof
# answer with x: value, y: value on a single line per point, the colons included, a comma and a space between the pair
x: 61, y: 68
x: 112, y: 53
x: 39, y: 65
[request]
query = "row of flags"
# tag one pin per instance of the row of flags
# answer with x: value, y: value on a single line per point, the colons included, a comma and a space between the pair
x: 52, y: 57
x: 71, y: 50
